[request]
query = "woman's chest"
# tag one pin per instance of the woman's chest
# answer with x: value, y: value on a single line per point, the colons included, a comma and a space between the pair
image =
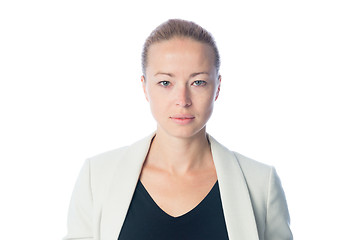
x: 177, y: 195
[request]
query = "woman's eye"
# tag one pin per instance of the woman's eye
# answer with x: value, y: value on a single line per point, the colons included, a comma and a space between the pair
x: 199, y: 83
x: 164, y: 83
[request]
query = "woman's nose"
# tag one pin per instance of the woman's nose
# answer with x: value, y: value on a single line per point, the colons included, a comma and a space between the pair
x: 183, y: 97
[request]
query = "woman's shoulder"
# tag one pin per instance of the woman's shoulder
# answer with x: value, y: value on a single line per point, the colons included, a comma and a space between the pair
x: 249, y: 164
x: 101, y: 166
x: 109, y: 156
x: 125, y: 154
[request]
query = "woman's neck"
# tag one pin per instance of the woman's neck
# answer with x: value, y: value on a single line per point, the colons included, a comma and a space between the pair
x: 180, y: 155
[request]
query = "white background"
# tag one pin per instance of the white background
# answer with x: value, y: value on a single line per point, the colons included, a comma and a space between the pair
x: 70, y: 89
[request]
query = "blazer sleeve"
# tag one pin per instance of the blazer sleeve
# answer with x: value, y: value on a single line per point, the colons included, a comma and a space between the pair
x: 277, y: 217
x: 80, y: 217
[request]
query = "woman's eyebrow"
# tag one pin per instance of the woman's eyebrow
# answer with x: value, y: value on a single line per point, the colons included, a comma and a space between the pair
x: 198, y: 73
x: 162, y: 73
x: 191, y: 75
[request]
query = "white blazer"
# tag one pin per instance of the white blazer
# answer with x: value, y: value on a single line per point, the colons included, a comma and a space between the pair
x: 253, y: 200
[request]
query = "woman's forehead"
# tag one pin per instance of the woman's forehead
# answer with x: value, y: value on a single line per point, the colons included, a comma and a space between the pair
x: 177, y: 53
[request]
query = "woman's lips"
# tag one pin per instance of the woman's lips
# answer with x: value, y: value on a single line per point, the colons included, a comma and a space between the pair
x: 182, y: 118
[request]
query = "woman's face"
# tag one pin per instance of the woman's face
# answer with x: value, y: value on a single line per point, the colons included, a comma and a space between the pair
x: 181, y: 85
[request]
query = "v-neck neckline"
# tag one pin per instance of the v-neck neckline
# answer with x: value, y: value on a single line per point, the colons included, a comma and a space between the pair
x: 194, y: 210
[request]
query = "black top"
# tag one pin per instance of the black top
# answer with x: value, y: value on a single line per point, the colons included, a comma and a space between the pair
x: 146, y: 220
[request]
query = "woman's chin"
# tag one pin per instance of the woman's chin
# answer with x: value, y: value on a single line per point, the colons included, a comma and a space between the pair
x: 184, y: 133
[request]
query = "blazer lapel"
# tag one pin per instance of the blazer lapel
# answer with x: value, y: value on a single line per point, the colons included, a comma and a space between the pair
x: 122, y: 188
x: 238, y: 210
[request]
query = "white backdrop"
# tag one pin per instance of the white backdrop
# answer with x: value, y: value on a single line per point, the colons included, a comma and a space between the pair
x: 70, y: 89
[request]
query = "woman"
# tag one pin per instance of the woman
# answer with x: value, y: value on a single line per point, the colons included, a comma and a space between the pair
x: 179, y: 182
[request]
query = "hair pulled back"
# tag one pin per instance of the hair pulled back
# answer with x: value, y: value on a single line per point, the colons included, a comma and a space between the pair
x: 179, y: 28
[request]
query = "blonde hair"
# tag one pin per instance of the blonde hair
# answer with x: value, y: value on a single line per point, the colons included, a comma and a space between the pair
x: 179, y: 28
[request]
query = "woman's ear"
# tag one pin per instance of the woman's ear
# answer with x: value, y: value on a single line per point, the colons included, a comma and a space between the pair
x: 218, y: 89
x: 143, y: 81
